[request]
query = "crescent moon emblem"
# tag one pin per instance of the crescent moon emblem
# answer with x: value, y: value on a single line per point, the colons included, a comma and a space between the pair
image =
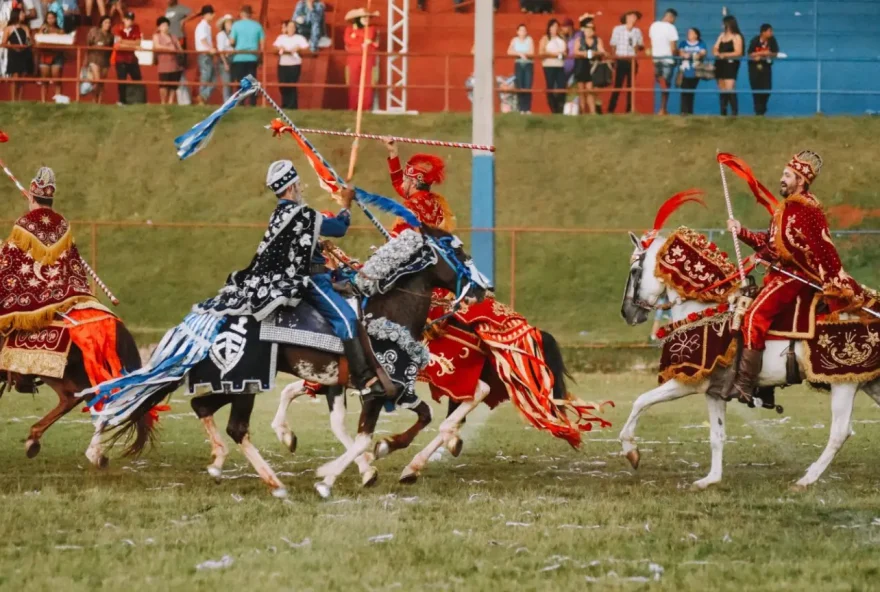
x: 38, y: 267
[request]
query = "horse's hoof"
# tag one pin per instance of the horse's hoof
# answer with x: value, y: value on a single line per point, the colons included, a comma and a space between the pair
x: 799, y: 487
x: 701, y: 485
x: 289, y: 441
x: 279, y: 492
x: 454, y: 446
x: 323, y: 489
x: 103, y: 462
x: 409, y: 476
x: 215, y: 472
x: 634, y: 457
x: 382, y: 449
x: 370, y: 478
x: 32, y: 448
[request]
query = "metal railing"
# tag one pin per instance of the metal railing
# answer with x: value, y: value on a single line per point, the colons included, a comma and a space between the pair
x: 451, y: 83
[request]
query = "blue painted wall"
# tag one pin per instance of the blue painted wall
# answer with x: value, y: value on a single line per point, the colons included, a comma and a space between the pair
x: 843, y: 34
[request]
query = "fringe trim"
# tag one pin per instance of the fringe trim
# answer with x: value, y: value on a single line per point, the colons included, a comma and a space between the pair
x: 449, y: 221
x: 35, y: 320
x: 28, y: 243
x: 37, y: 363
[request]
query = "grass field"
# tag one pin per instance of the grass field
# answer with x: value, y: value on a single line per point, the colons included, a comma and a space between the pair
x: 572, y: 173
x: 516, y: 511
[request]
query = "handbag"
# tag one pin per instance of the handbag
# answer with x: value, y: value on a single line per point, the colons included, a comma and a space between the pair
x: 704, y: 70
x: 601, y: 74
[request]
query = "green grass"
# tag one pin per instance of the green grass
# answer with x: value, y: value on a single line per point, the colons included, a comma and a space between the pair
x: 517, y: 510
x: 119, y: 165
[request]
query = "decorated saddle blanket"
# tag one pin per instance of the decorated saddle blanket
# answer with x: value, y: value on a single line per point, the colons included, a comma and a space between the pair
x: 41, y: 272
x: 696, y: 346
x: 302, y: 325
x: 238, y: 361
x: 45, y: 352
x: 843, y: 351
x: 689, y: 262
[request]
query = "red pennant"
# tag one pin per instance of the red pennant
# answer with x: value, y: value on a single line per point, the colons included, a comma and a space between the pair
x: 742, y: 170
x: 3, y: 137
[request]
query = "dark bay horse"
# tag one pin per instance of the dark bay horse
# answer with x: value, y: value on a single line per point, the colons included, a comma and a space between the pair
x: 406, y: 303
x: 76, y: 379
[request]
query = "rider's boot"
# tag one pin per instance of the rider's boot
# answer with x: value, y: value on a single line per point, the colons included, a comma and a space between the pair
x: 747, y: 373
x: 362, y: 374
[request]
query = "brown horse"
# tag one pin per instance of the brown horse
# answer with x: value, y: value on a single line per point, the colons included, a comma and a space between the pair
x: 76, y: 379
x: 406, y: 303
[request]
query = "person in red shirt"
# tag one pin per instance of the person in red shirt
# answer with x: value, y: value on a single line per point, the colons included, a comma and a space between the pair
x: 356, y: 37
x: 128, y: 39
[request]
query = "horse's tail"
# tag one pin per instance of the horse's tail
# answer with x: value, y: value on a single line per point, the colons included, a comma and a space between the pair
x: 139, y: 429
x: 556, y: 363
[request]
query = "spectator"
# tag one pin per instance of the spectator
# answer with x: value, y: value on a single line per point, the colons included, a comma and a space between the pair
x: 167, y: 48
x: 309, y: 18
x: 246, y: 36
x: 728, y: 50
x: 627, y: 41
x: 762, y: 50
x: 177, y: 14
x: 664, y: 43
x: 102, y: 8
x: 67, y: 12
x: 128, y: 39
x: 20, y: 59
x: 589, y: 51
x: 116, y: 6
x: 289, y: 44
x: 692, y: 51
x: 523, y: 47
x: 552, y: 49
x: 355, y: 39
x: 224, y: 46
x: 98, y: 60
x: 205, y: 47
x: 51, y: 61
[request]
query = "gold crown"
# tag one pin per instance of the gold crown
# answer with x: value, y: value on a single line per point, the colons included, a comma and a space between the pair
x: 807, y: 164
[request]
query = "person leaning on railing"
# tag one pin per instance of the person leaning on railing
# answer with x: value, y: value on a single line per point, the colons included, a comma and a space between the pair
x: 207, y: 54
x: 51, y: 61
x: 248, y: 38
x: 522, y: 46
x: 224, y: 48
x: 692, y: 51
x: 167, y: 48
x: 98, y: 60
x: 128, y: 39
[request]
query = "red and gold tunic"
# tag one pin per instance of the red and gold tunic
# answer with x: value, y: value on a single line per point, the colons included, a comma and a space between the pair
x: 41, y: 272
x: 799, y: 242
x: 429, y: 207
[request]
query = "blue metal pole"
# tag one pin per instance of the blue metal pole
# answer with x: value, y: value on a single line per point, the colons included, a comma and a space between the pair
x: 483, y: 168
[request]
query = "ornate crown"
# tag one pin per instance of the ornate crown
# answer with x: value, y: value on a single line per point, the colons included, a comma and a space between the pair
x: 43, y: 185
x: 807, y: 164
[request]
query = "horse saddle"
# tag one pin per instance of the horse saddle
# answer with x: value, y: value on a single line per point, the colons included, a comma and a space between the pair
x: 301, y: 325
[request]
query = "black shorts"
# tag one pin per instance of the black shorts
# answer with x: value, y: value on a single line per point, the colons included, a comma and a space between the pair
x: 583, y: 71
x: 169, y: 77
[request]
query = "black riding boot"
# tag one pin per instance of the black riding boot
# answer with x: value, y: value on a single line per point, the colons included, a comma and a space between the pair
x: 360, y: 370
x: 747, y: 373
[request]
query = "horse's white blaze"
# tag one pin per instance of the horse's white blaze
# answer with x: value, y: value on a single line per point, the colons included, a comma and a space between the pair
x: 773, y: 373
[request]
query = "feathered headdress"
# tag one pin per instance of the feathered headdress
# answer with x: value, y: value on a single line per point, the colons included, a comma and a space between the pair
x: 742, y: 170
x: 666, y: 210
x: 426, y: 169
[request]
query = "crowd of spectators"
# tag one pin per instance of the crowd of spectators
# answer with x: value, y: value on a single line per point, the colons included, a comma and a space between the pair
x: 576, y: 63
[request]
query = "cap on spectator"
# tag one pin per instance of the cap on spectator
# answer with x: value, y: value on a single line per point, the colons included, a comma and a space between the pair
x: 629, y: 12
x: 206, y: 9
x: 587, y: 16
x: 129, y: 15
x: 226, y: 17
x: 567, y: 22
x: 359, y: 13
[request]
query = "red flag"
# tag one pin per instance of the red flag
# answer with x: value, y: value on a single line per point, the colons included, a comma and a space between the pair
x: 322, y: 169
x: 742, y: 170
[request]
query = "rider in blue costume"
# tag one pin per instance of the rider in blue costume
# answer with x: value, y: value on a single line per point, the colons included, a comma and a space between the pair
x: 284, y: 181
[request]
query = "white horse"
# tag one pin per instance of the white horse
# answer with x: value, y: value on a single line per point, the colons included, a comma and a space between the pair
x: 643, y: 291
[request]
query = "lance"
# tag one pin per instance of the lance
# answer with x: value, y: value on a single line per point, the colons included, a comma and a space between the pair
x: 807, y: 282
x: 253, y: 82
x: 86, y: 266
x: 361, y: 88
x: 736, y: 246
x: 400, y: 139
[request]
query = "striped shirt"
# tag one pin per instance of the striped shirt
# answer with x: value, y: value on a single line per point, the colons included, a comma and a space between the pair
x: 626, y: 40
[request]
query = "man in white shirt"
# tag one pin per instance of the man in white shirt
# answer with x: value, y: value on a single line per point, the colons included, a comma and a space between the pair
x: 664, y: 45
x: 205, y: 47
x: 627, y: 41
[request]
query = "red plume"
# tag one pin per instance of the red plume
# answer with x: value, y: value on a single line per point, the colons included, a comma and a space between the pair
x: 742, y: 170
x: 675, y: 202
x: 3, y: 138
x: 430, y: 167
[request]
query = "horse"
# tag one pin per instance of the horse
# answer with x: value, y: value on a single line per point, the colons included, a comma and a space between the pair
x: 74, y: 380
x: 459, y: 407
x: 643, y: 291
x: 405, y: 302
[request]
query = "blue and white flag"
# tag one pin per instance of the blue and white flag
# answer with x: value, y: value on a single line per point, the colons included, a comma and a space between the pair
x: 196, y: 138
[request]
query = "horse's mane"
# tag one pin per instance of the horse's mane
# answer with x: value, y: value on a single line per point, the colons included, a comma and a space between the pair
x: 388, y: 263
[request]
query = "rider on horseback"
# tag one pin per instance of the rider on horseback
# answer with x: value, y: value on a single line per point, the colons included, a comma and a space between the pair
x: 413, y: 183
x: 799, y: 242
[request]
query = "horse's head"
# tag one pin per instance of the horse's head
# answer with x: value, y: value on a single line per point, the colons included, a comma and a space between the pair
x: 643, y: 287
x: 455, y: 269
